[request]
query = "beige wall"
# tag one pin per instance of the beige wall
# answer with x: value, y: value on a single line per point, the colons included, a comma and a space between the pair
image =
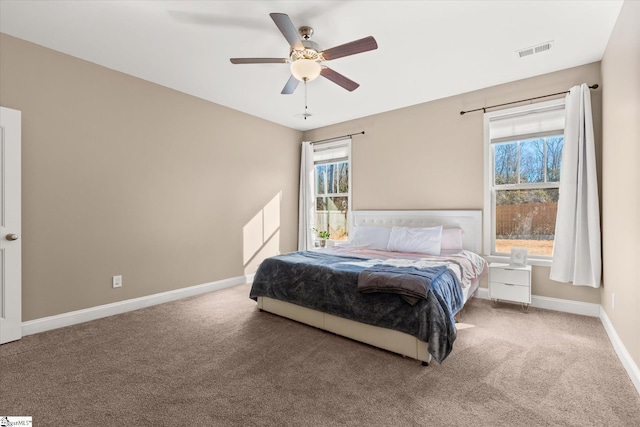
x: 122, y: 176
x: 621, y: 179
x: 428, y: 156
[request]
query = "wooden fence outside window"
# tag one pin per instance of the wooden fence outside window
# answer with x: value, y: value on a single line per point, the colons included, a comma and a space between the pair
x: 526, y: 221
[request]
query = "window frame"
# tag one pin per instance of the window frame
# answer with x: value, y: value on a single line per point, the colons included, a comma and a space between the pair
x: 324, y: 147
x: 489, y: 217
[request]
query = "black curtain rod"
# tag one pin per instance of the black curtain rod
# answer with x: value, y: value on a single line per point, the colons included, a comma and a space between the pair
x: 484, y: 109
x: 337, y: 137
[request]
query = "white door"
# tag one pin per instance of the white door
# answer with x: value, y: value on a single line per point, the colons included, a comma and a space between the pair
x: 10, y: 227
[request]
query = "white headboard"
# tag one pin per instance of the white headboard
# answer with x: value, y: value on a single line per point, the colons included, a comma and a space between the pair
x: 469, y: 220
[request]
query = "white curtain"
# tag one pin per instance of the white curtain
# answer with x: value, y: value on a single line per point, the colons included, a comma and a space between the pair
x: 306, y: 217
x: 576, y: 253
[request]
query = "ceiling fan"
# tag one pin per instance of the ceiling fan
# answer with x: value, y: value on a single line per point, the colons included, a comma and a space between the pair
x: 306, y: 56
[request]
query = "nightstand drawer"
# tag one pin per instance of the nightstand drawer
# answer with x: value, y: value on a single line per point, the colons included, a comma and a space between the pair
x: 509, y: 292
x: 509, y: 276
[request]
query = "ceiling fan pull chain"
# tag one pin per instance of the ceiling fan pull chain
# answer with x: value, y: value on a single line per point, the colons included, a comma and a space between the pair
x: 305, y: 99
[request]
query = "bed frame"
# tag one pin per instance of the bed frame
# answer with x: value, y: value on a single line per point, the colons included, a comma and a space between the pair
x: 398, y: 342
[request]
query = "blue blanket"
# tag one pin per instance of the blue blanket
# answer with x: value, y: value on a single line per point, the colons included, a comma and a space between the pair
x: 328, y: 283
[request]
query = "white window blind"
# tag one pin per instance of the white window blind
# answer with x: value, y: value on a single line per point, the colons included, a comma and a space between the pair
x: 331, y: 152
x: 527, y: 124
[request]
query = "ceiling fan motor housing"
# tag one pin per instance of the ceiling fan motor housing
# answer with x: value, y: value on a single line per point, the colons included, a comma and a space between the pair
x: 311, y: 51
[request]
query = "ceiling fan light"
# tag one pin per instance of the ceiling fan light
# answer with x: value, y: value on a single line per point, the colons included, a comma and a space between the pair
x: 305, y: 69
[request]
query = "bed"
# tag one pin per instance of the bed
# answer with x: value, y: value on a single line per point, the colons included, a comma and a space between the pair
x: 324, y: 288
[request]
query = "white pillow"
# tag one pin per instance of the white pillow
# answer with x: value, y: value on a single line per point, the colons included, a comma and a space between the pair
x: 452, y: 239
x: 416, y: 240
x: 371, y: 237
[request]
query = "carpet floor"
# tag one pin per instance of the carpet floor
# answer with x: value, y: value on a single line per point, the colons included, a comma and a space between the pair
x: 215, y: 360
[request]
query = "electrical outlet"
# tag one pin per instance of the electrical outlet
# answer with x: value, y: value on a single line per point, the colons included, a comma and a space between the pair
x: 116, y: 281
x: 613, y: 301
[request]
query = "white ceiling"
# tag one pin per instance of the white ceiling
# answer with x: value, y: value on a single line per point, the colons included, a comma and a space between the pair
x: 427, y: 49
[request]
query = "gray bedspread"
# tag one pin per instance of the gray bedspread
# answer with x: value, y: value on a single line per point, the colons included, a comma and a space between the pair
x: 329, y: 283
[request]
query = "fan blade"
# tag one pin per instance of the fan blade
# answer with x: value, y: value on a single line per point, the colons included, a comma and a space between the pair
x: 284, y: 24
x: 291, y: 86
x: 358, y: 46
x: 339, y: 79
x: 258, y: 60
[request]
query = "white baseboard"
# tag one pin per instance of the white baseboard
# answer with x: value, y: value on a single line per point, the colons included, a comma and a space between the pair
x: 621, y: 350
x: 557, y: 304
x: 586, y: 309
x: 74, y: 317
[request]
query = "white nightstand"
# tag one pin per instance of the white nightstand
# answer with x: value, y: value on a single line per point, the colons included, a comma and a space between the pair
x: 510, y: 283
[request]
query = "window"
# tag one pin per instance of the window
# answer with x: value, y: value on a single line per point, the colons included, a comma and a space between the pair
x: 523, y: 156
x: 332, y: 188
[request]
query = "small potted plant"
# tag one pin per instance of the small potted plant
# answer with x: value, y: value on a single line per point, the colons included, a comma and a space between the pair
x: 323, y: 235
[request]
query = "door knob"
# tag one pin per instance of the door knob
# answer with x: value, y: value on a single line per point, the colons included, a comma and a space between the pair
x: 12, y: 236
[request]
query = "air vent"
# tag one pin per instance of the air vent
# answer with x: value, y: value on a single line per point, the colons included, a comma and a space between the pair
x: 525, y: 52
x: 534, y: 49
